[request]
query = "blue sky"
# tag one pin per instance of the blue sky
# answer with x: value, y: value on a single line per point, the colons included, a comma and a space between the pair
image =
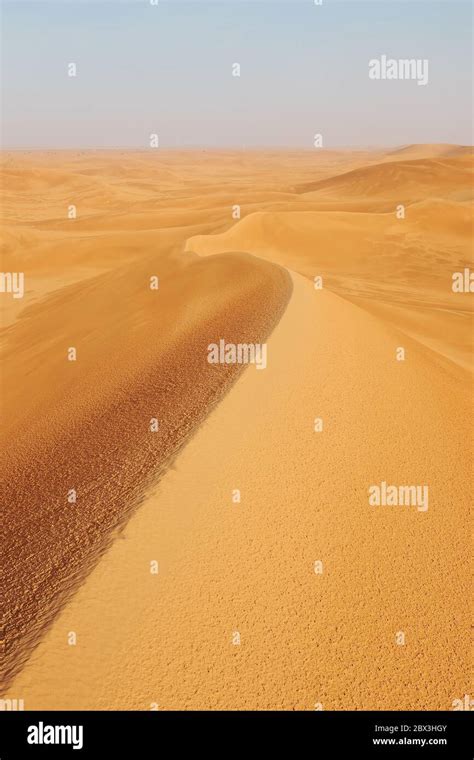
x: 167, y: 69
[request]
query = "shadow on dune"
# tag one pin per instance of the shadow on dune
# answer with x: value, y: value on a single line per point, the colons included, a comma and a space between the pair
x: 85, y: 425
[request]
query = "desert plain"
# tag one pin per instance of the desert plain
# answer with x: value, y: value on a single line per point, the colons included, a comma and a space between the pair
x: 182, y: 535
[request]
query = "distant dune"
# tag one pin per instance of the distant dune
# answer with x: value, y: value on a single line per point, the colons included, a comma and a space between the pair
x: 366, y: 253
x: 445, y: 150
x: 402, y: 181
x: 236, y: 239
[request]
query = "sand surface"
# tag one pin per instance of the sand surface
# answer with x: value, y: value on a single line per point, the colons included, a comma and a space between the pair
x: 243, y: 568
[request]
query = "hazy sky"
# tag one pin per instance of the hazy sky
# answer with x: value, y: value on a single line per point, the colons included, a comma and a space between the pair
x: 167, y: 69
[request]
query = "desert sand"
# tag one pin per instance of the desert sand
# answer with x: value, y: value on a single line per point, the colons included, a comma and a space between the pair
x: 237, y: 617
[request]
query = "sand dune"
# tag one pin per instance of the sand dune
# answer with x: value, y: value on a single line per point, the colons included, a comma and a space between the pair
x: 375, y: 259
x: 249, y: 567
x: 229, y: 567
x: 398, y: 268
x: 430, y: 151
x: 86, y: 424
x: 401, y: 181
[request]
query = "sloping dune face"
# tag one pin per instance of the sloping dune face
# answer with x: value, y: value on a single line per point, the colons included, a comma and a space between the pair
x: 88, y: 436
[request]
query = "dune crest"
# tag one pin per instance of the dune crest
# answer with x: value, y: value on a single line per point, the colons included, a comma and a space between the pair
x: 88, y: 437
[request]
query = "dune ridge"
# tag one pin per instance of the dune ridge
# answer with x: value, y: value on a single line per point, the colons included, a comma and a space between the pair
x: 89, y: 430
x: 249, y: 567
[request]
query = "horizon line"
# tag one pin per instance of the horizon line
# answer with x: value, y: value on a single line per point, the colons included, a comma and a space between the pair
x: 228, y: 148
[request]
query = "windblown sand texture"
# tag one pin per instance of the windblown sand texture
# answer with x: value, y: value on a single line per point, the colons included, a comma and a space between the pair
x: 225, y: 567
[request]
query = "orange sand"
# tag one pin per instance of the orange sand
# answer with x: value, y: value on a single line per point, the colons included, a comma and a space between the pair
x: 249, y: 568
